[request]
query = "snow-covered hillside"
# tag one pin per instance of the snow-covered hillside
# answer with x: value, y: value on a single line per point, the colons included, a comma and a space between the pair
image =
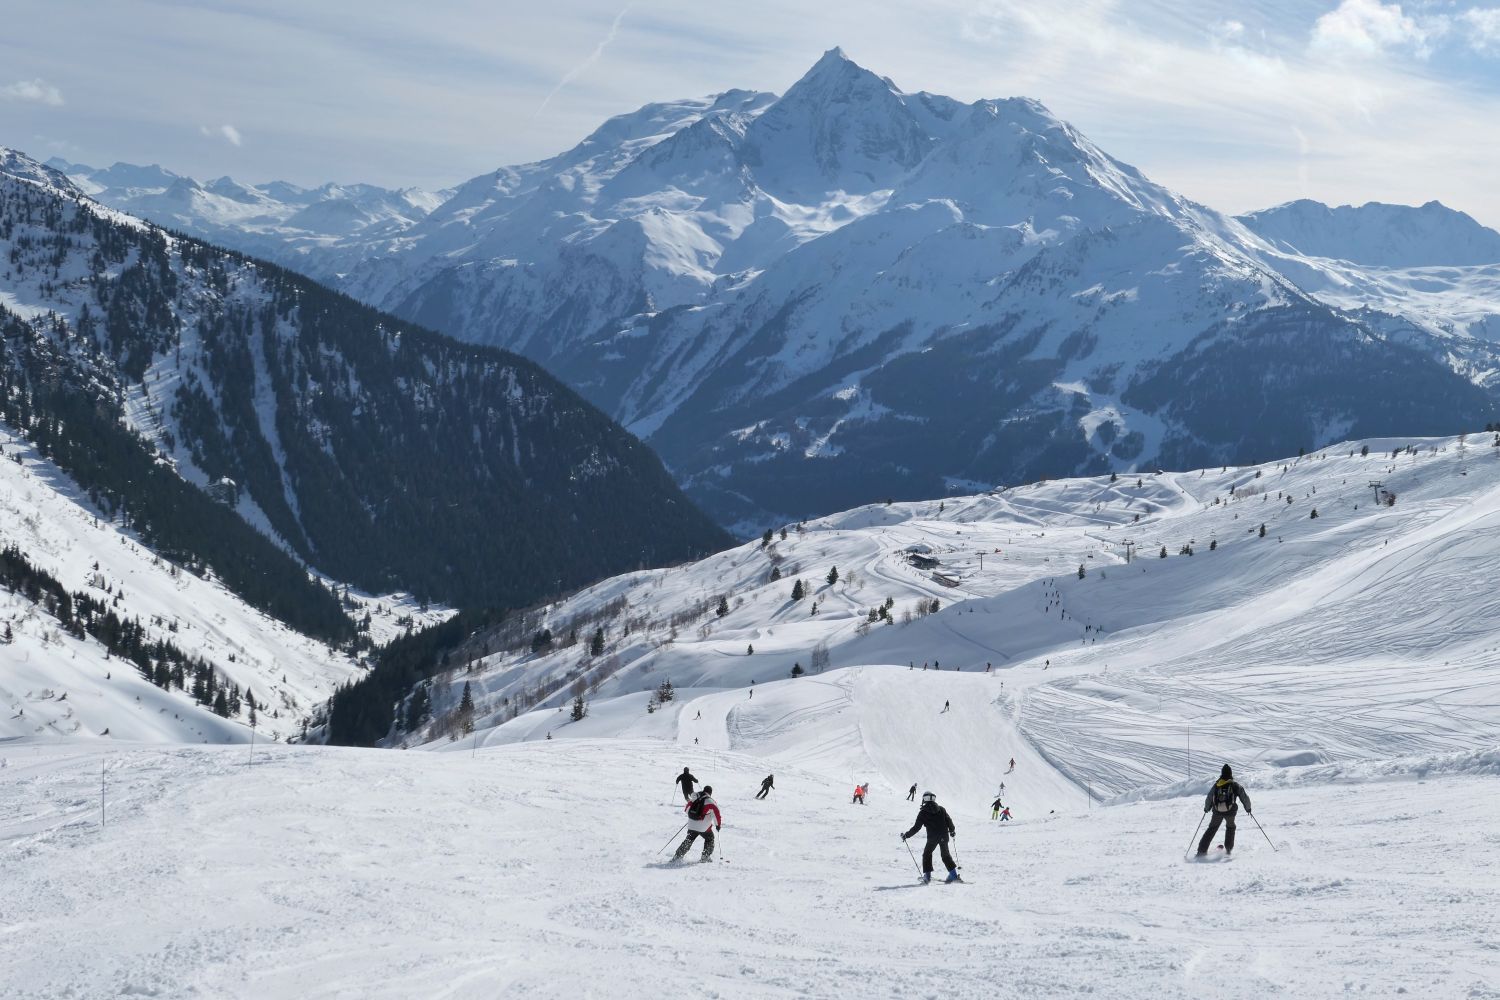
x: 57, y: 684
x: 1346, y: 665
x: 1247, y: 649
x: 537, y: 870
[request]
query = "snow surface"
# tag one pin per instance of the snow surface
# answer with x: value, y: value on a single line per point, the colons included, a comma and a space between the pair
x: 54, y: 685
x: 1347, y: 665
x: 534, y: 870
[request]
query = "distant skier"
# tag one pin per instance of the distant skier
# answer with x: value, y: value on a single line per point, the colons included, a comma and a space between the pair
x: 699, y: 715
x: 688, y: 783
x: 859, y: 794
x: 911, y: 795
x: 1221, y: 802
x: 946, y: 707
x: 939, y: 827
x: 1012, y: 765
x: 703, y: 819
x: 767, y: 783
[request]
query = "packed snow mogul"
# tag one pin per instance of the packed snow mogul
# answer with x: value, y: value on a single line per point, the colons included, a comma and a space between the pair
x: 703, y: 819
x: 688, y: 783
x: 939, y: 826
x: 767, y: 783
x: 1221, y: 802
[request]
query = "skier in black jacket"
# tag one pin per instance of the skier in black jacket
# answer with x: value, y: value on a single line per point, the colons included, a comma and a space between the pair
x: 687, y: 781
x: 939, y: 828
x: 1221, y: 802
x: 767, y: 783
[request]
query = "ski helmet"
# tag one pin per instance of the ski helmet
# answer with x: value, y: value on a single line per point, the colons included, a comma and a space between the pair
x: 928, y: 797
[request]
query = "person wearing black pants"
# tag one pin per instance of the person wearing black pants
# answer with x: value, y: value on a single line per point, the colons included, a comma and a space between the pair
x: 911, y: 795
x: 939, y: 826
x: 688, y: 782
x: 766, y: 785
x: 1223, y: 801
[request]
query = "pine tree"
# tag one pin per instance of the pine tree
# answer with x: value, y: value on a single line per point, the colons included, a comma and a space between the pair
x: 466, y: 710
x: 596, y: 644
x: 775, y: 573
x: 580, y: 709
x: 1081, y: 572
x: 1263, y: 531
x: 765, y: 539
x: 783, y: 534
x: 1213, y: 544
x: 665, y: 691
x: 1163, y: 553
x: 723, y: 608
x: 750, y: 650
x: 7, y: 636
x: 833, y: 576
x: 798, y: 591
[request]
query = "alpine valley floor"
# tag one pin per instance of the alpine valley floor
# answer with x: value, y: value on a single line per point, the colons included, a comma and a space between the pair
x: 532, y: 870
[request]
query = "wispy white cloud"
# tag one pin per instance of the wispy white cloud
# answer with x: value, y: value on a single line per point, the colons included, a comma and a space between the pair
x: 37, y: 90
x: 1481, y: 27
x: 1372, y: 28
x: 593, y: 57
x: 226, y: 132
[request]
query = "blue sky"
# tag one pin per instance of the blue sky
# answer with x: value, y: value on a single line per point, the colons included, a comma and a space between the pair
x: 1237, y: 104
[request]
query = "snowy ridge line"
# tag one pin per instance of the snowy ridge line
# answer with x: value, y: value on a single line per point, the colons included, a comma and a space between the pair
x: 1473, y: 763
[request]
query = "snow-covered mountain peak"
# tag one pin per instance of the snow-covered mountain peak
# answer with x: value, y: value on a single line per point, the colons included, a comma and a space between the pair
x: 14, y: 163
x: 1378, y: 234
x: 839, y: 128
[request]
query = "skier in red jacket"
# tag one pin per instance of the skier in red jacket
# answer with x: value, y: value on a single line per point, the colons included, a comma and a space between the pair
x: 703, y: 820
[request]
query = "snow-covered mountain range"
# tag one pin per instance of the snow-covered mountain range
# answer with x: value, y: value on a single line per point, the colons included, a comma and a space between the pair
x: 851, y: 292
x: 248, y: 421
x: 278, y: 220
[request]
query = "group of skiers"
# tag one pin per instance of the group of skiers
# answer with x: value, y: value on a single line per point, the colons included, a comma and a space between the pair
x: 704, y: 819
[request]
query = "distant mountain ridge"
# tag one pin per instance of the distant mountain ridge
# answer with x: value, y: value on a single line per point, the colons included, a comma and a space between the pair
x: 1378, y: 234
x: 852, y: 292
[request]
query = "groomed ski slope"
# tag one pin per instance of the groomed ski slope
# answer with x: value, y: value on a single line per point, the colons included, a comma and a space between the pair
x: 530, y: 870
x: 1366, y: 633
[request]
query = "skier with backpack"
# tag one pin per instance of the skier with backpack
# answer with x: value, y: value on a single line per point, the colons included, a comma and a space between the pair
x: 995, y: 808
x: 767, y: 783
x: 688, y: 783
x: 939, y: 825
x: 1221, y: 801
x: 703, y: 819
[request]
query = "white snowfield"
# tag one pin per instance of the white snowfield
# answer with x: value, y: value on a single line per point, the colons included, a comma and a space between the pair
x: 1346, y: 665
x: 54, y: 685
x: 533, y: 871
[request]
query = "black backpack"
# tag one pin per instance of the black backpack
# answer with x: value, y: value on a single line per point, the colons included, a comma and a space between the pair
x: 698, y: 807
x: 1224, y: 797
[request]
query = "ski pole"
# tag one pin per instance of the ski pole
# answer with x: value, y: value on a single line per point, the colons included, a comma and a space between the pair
x: 719, y: 846
x: 1263, y: 832
x: 672, y: 838
x: 1196, y: 829
x: 913, y: 855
